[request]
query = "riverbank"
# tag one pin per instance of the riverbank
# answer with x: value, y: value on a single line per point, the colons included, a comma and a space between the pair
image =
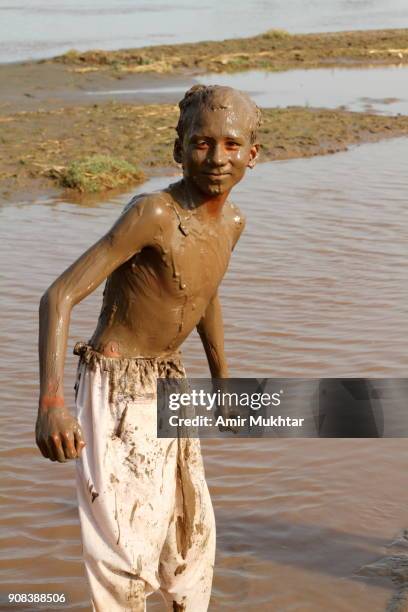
x: 77, y: 78
x: 37, y: 146
x: 273, y: 50
x: 51, y: 113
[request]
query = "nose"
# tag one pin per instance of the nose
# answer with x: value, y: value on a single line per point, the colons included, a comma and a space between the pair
x: 218, y: 155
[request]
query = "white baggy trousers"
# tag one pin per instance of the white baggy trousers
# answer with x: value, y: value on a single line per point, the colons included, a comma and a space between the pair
x: 146, y: 516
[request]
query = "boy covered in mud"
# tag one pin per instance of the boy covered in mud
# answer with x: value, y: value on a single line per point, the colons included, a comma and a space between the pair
x: 146, y: 516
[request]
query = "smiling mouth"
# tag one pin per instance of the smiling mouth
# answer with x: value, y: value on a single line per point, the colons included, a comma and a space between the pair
x: 217, y: 174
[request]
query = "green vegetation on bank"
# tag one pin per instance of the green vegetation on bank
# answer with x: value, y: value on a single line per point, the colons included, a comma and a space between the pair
x: 98, y: 173
x: 273, y: 50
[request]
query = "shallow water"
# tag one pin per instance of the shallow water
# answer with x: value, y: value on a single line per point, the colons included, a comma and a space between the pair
x: 42, y: 28
x: 378, y: 90
x: 381, y: 90
x: 318, y: 286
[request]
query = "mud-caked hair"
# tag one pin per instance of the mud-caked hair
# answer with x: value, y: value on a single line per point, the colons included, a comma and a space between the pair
x: 215, y: 97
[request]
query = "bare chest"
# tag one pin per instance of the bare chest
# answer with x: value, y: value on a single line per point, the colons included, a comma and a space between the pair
x: 194, y: 258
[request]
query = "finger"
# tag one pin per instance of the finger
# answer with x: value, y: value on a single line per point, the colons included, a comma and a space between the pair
x: 79, y: 442
x: 50, y: 450
x: 43, y: 448
x: 68, y: 445
x: 56, y: 445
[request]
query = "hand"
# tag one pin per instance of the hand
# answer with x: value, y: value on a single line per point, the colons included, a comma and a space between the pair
x: 58, y: 434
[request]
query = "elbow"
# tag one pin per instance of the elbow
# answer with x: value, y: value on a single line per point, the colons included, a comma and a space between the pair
x: 44, y: 302
x: 54, y: 299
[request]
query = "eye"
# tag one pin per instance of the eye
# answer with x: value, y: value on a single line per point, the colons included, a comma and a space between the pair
x: 232, y: 144
x: 200, y: 144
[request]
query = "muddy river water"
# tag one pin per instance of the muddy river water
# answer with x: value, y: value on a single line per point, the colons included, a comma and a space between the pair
x: 317, y: 287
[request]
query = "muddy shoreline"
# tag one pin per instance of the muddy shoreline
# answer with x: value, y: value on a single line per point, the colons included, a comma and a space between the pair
x: 272, y: 50
x: 68, y: 79
x: 48, y: 119
x: 35, y: 146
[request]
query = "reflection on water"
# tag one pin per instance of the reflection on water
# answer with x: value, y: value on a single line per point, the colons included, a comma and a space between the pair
x: 42, y: 28
x: 318, y: 286
x: 379, y: 90
x: 383, y: 90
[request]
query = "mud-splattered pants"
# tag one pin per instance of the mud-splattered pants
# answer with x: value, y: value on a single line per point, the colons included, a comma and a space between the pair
x: 146, y: 516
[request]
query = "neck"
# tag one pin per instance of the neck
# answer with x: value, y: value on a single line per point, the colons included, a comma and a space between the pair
x: 197, y: 199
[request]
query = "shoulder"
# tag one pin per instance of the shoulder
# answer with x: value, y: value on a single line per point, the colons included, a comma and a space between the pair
x: 236, y: 220
x: 141, y: 221
x: 148, y: 205
x: 149, y: 210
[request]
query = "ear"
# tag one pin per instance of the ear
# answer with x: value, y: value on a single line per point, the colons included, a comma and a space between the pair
x: 253, y: 155
x: 178, y: 151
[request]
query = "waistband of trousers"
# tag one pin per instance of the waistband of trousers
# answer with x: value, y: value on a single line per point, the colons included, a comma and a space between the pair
x: 89, y: 355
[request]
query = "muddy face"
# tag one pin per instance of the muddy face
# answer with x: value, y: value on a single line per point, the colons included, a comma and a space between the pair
x: 216, y: 149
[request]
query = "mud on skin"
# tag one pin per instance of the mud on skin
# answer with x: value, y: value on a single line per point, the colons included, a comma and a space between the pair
x: 163, y: 259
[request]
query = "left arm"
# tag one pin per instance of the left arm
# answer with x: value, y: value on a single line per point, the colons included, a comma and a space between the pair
x: 210, y: 327
x: 211, y: 331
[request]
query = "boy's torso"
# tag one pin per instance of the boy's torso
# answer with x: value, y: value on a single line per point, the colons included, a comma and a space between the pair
x: 154, y: 300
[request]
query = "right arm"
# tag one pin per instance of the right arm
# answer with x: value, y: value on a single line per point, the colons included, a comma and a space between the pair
x: 58, y: 434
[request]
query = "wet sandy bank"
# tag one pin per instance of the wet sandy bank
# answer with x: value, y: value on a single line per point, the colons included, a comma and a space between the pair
x: 35, y: 146
x: 64, y: 80
x: 48, y: 119
x: 272, y: 50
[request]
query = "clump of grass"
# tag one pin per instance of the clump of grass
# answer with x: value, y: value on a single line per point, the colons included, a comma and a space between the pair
x: 71, y: 55
x: 99, y: 173
x: 105, y: 58
x: 277, y: 34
